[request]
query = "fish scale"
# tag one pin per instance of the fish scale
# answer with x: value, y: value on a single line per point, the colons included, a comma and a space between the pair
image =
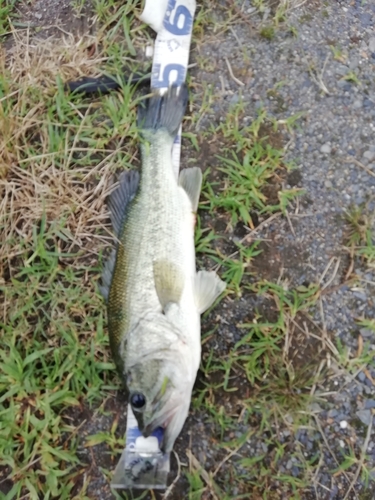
x: 154, y: 230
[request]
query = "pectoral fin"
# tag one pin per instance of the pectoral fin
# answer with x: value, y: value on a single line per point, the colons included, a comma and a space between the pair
x: 169, y: 282
x: 208, y: 286
x: 191, y: 180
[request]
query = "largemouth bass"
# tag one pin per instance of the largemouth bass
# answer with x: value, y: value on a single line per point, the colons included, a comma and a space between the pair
x: 155, y: 296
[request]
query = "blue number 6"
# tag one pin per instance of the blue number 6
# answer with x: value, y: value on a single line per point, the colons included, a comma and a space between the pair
x: 183, y: 11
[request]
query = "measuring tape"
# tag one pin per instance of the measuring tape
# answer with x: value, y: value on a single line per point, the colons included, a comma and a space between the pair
x: 142, y: 464
x: 171, y: 50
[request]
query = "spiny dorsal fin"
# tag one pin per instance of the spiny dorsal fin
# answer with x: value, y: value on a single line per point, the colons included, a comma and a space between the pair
x: 169, y: 282
x: 121, y: 197
x: 208, y: 286
x: 107, y: 274
x: 191, y: 180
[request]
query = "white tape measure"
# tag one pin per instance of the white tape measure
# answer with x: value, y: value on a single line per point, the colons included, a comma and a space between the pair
x: 171, y: 49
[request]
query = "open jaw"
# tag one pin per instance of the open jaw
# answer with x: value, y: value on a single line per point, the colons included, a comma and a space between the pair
x: 161, y: 421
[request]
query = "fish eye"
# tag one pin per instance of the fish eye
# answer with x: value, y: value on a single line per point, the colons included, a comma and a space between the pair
x: 138, y: 401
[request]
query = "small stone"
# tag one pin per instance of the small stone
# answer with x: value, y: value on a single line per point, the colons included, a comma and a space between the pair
x: 341, y: 70
x: 354, y: 63
x: 364, y: 416
x: 369, y: 403
x: 361, y: 376
x: 295, y: 471
x: 357, y: 104
x: 369, y: 155
x: 361, y: 296
x: 342, y: 84
x: 343, y: 424
x: 341, y: 443
x: 366, y: 19
x: 234, y: 99
x: 149, y: 51
x: 326, y: 149
x: 315, y: 407
x: 371, y: 44
x: 366, y: 332
x: 332, y: 413
x: 342, y: 416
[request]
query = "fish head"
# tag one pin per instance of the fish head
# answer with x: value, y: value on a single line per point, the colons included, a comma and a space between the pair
x: 159, y: 394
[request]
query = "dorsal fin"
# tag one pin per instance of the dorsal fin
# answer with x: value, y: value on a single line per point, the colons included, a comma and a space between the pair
x: 121, y: 197
x: 191, y: 180
x: 108, y: 268
x: 118, y: 201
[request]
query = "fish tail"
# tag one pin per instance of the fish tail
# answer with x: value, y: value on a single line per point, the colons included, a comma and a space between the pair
x: 164, y: 111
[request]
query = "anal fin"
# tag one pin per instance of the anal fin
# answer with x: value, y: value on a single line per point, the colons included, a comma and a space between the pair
x: 169, y: 282
x: 191, y: 180
x: 208, y: 287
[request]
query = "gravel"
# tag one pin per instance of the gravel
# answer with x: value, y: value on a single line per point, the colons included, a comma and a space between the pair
x: 334, y: 149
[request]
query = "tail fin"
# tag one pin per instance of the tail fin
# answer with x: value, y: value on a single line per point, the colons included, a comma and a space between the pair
x: 164, y: 111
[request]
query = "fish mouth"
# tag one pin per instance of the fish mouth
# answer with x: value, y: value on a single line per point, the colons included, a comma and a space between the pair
x: 160, y: 422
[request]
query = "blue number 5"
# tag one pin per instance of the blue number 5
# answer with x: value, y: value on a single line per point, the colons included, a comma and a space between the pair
x: 165, y: 81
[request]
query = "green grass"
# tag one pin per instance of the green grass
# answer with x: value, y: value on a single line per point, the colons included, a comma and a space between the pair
x: 360, y: 239
x: 267, y: 32
x: 53, y: 353
x: 244, y: 179
x: 6, y: 12
x: 58, y: 155
x: 260, y: 354
x: 360, y: 243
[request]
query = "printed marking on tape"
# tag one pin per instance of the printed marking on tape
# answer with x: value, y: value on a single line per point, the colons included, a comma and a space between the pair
x: 171, y: 55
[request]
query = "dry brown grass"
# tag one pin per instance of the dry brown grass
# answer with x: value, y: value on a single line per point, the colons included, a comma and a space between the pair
x: 49, y: 167
x: 58, y: 157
